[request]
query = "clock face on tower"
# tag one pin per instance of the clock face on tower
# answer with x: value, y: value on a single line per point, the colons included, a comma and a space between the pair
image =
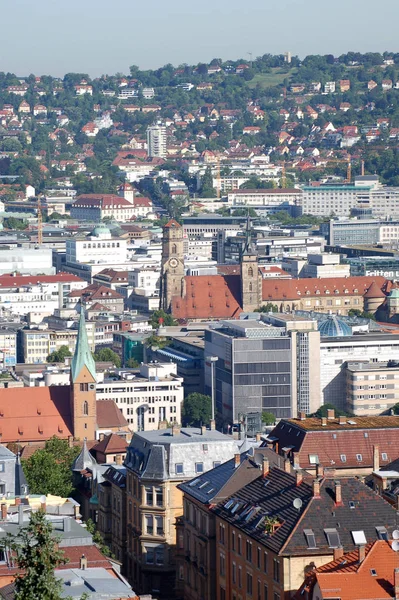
x: 173, y: 263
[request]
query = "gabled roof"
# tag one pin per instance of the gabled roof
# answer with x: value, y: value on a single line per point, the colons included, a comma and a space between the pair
x: 109, y: 415
x: 82, y: 356
x: 274, y: 495
x: 84, y: 460
x: 294, y: 289
x: 110, y: 444
x: 211, y: 296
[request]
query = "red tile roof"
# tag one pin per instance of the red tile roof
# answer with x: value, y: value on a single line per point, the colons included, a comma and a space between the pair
x: 292, y: 289
x: 110, y: 444
x: 109, y: 415
x: 21, y: 280
x: 207, y: 297
x: 101, y: 200
x: 35, y: 414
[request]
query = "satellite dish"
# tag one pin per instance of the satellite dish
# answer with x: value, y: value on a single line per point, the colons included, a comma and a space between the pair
x: 395, y: 534
x: 395, y: 545
x: 298, y: 504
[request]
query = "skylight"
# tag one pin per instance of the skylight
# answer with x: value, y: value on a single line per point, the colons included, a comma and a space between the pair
x: 194, y: 482
x: 332, y: 538
x: 382, y: 533
x: 359, y: 538
x: 310, y: 538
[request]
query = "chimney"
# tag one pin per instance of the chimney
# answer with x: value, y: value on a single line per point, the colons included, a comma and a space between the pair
x: 20, y: 514
x: 302, y: 416
x: 287, y: 465
x: 342, y: 420
x: 3, y: 511
x: 316, y: 488
x: 362, y: 553
x: 319, y: 470
x: 203, y: 429
x: 17, y: 501
x: 83, y: 562
x: 176, y: 429
x: 396, y: 585
x: 338, y: 552
x: 162, y: 425
x: 324, y: 421
x: 213, y: 424
x: 70, y: 441
x: 237, y: 460
x: 295, y: 456
x: 299, y: 477
x: 338, y: 493
x: 265, y: 466
x: 376, y: 458
x: 330, y: 414
x: 118, y: 459
x: 101, y: 437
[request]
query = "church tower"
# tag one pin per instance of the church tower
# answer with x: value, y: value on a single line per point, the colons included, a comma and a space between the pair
x: 172, y: 267
x: 83, y: 386
x: 251, y: 281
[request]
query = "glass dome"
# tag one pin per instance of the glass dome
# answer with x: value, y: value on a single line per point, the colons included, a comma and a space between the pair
x: 334, y: 327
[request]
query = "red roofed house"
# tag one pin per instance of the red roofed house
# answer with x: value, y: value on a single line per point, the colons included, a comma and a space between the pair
x: 96, y: 207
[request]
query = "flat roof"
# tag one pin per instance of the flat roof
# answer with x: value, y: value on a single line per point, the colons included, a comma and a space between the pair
x: 315, y: 424
x: 187, y: 435
x: 371, y: 366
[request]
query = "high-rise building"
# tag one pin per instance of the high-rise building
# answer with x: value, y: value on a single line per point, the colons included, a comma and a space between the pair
x: 156, y: 141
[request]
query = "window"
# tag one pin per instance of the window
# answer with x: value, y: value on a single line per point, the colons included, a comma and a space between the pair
x: 239, y: 577
x: 85, y: 408
x: 199, y: 467
x: 222, y: 593
x: 373, y: 572
x: 159, y: 555
x: 332, y: 538
x: 343, y: 458
x: 384, y: 456
x: 382, y: 533
x: 276, y: 596
x: 216, y: 463
x: 258, y: 558
x: 265, y: 592
x: 159, y: 496
x: 249, y: 584
x: 222, y: 565
x: 233, y: 541
x: 159, y: 524
x: 84, y: 387
x: 265, y: 562
x: 149, y: 556
x: 149, y: 496
x: 239, y: 545
x: 2, y: 467
x: 314, y: 459
x: 276, y: 570
x: 179, y: 468
x: 249, y: 551
x: 221, y: 533
x: 359, y: 457
x: 149, y: 524
x: 310, y: 538
x: 234, y: 572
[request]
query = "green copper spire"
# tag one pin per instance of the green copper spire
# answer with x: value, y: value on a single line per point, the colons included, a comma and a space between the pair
x: 83, y: 356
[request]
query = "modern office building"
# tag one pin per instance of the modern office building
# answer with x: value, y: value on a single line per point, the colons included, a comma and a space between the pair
x: 146, y: 398
x: 156, y: 141
x: 355, y: 232
x: 267, y: 365
x: 371, y: 388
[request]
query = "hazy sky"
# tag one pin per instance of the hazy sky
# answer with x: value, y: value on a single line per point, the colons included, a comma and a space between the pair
x: 99, y: 36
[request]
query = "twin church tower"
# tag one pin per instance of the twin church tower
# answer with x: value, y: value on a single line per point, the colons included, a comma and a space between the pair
x: 173, y: 281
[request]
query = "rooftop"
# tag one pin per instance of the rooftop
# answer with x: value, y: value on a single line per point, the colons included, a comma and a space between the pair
x: 316, y: 424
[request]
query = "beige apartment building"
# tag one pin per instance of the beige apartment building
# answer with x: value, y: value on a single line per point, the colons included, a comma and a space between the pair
x: 371, y: 388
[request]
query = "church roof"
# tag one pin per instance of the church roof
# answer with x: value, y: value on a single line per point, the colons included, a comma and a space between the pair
x: 83, y: 356
x: 172, y: 223
x: 35, y: 414
x: 109, y: 415
x: 84, y: 460
x: 209, y: 297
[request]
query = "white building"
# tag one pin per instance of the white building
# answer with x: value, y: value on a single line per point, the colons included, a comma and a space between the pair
x: 156, y: 141
x: 24, y: 294
x: 31, y: 260
x: 316, y: 265
x: 99, y: 248
x: 96, y: 207
x: 145, y: 399
x: 8, y: 348
x: 265, y: 197
x: 144, y: 280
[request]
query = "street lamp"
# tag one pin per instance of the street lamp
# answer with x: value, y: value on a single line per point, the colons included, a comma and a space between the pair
x: 212, y: 360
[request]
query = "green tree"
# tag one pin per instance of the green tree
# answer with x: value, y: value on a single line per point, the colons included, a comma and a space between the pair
x: 12, y: 223
x: 156, y: 340
x: 132, y: 363
x: 36, y: 554
x: 107, y: 355
x: 59, y: 356
x: 207, y: 189
x: 160, y: 317
x: 266, y: 308
x: 268, y: 418
x: 48, y: 470
x: 322, y: 411
x: 196, y: 410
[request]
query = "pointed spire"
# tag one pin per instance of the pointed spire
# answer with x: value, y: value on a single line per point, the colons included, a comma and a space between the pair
x: 84, y: 460
x: 82, y: 356
x: 248, y: 247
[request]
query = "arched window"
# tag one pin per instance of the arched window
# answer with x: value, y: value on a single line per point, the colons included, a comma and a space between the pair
x: 250, y: 287
x: 174, y: 249
x: 85, y: 408
x: 250, y: 272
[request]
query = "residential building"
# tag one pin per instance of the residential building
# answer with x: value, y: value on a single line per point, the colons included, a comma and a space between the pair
x: 196, y: 531
x: 157, y: 461
x: 148, y: 397
x: 37, y: 344
x: 96, y: 296
x: 8, y: 347
x: 371, y: 388
x: 267, y: 365
x: 156, y: 141
x: 348, y: 446
x: 112, y: 511
x: 96, y: 207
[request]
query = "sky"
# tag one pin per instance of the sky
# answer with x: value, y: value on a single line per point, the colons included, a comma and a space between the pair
x: 103, y: 36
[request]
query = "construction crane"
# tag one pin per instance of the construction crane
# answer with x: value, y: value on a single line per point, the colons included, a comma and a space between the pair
x: 218, y: 179
x: 39, y: 222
